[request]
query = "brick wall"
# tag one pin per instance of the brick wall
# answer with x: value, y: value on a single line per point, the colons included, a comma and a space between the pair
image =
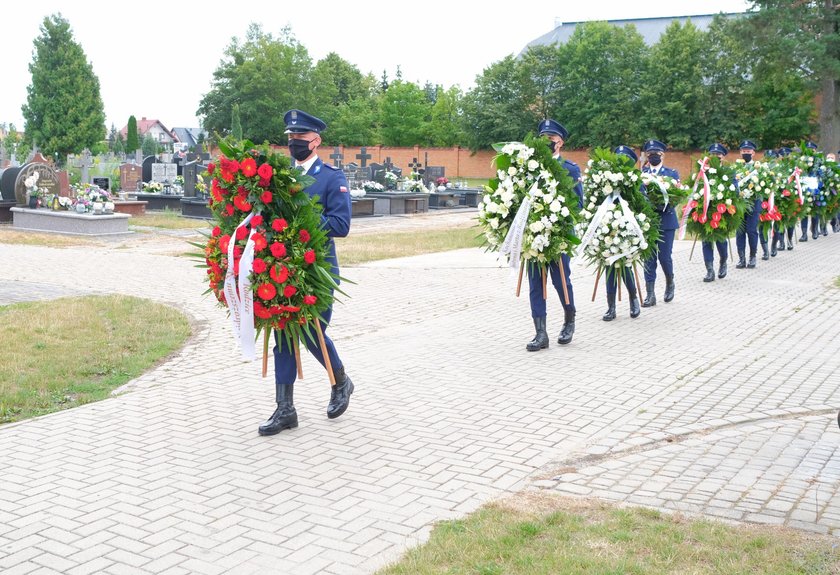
x: 462, y: 163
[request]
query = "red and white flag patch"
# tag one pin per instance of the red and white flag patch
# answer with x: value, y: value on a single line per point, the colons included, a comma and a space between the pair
x: 342, y: 188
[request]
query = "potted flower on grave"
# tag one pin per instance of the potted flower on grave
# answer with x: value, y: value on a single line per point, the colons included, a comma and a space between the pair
x: 414, y: 184
x: 33, y: 192
x: 442, y: 184
x: 152, y: 187
x: 391, y: 180
x: 372, y: 187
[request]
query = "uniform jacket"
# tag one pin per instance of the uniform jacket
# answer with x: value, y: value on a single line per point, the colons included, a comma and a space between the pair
x: 668, y: 215
x: 333, y: 194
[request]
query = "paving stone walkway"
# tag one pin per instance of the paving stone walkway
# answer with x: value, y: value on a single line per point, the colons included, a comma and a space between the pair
x: 723, y: 403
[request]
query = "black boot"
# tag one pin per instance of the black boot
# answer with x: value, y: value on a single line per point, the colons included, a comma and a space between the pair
x: 610, y: 313
x: 824, y: 228
x: 804, y: 237
x: 773, y: 251
x: 815, y: 230
x: 790, y: 240
x: 722, y: 270
x: 764, y: 254
x: 650, y: 299
x: 710, y: 272
x: 285, y: 416
x: 340, y: 394
x: 742, y: 260
x: 635, y: 309
x: 669, y: 288
x: 540, y: 340
x: 568, y: 328
x: 781, y: 242
x: 751, y: 263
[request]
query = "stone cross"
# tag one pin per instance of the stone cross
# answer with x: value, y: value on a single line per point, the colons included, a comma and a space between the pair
x: 388, y: 165
x: 364, y: 156
x: 336, y: 157
x: 414, y: 165
x: 138, y: 156
x: 85, y: 163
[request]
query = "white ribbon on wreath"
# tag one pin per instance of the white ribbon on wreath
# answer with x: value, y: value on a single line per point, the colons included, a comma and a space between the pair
x: 512, y: 246
x: 240, y: 298
x: 595, y: 224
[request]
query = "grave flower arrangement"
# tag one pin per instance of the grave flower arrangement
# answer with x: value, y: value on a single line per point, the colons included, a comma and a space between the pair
x: 32, y: 188
x: 414, y: 184
x: 372, y: 187
x: 152, y: 187
x: 87, y: 196
x: 266, y: 256
x: 391, y: 180
x: 530, y: 208
x: 621, y: 227
x: 715, y: 208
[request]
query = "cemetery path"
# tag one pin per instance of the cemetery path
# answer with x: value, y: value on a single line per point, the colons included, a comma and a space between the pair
x: 722, y: 402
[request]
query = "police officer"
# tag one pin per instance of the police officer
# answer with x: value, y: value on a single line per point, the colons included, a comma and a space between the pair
x: 834, y: 220
x: 815, y: 219
x: 611, y: 274
x: 655, y: 152
x: 720, y: 151
x: 762, y: 232
x: 557, y: 136
x: 749, y: 225
x: 330, y: 186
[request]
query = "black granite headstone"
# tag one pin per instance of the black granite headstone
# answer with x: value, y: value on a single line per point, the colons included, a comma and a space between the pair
x: 104, y: 183
x: 7, y: 184
x: 147, y: 168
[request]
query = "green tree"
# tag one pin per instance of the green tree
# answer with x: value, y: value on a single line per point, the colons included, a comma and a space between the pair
x: 132, y: 139
x: 235, y: 123
x: 445, y: 125
x: 340, y: 80
x: 544, y: 81
x: 267, y: 76
x: 64, y: 112
x: 355, y: 123
x: 119, y: 145
x: 496, y: 110
x: 150, y: 146
x: 404, y: 113
x: 112, y: 137
x: 601, y: 103
x: 809, y: 32
x: 672, y: 91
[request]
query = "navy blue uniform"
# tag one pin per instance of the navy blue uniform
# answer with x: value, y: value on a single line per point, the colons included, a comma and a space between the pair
x: 553, y: 268
x: 667, y: 227
x: 749, y: 225
x: 331, y: 188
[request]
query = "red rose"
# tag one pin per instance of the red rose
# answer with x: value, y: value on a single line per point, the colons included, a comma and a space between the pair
x: 265, y: 171
x: 260, y: 242
x: 765, y: 205
x: 266, y: 197
x: 211, y: 167
x: 256, y: 221
x: 229, y: 209
x: 241, y: 233
x: 217, y: 231
x: 785, y: 193
x: 224, y: 241
x: 309, y: 299
x: 267, y: 291
x: 241, y: 204
x: 249, y: 167
x: 259, y: 265
x: 721, y: 208
x: 279, y: 225
x: 309, y: 256
x: 278, y: 250
x: 304, y: 236
x: 279, y: 276
x: 289, y: 291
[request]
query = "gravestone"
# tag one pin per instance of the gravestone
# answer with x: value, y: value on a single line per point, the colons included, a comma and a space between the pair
x: 130, y: 177
x: 7, y: 184
x: 363, y: 156
x: 415, y: 166
x: 363, y: 174
x: 147, y: 164
x: 192, y: 172
x: 432, y: 173
x: 47, y: 178
x: 138, y: 157
x: 103, y: 183
x: 377, y: 172
x: 85, y: 162
x: 164, y: 173
x: 337, y: 157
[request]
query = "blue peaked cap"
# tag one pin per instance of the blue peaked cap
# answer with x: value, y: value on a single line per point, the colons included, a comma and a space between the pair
x: 810, y: 144
x: 627, y: 151
x: 717, y: 148
x: 653, y: 146
x: 298, y: 122
x: 549, y: 126
x: 747, y: 145
x: 784, y: 151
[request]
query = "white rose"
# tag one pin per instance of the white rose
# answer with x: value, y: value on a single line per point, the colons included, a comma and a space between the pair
x: 721, y: 187
x: 564, y: 211
x: 555, y: 206
x: 533, y: 165
x: 536, y: 227
x: 642, y: 217
x: 512, y: 171
x: 728, y: 202
x: 494, y: 223
x: 719, y: 196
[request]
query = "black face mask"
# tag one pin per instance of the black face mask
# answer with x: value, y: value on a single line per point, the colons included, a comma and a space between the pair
x: 747, y: 157
x: 655, y: 159
x: 299, y: 149
x: 552, y: 145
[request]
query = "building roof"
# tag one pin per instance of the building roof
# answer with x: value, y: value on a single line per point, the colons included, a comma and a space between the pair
x: 189, y: 136
x: 650, y: 28
x: 144, y: 125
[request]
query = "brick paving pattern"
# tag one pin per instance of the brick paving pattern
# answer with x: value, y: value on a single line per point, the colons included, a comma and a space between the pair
x: 722, y: 402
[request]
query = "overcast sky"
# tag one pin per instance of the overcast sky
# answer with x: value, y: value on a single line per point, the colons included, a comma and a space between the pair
x: 156, y: 59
